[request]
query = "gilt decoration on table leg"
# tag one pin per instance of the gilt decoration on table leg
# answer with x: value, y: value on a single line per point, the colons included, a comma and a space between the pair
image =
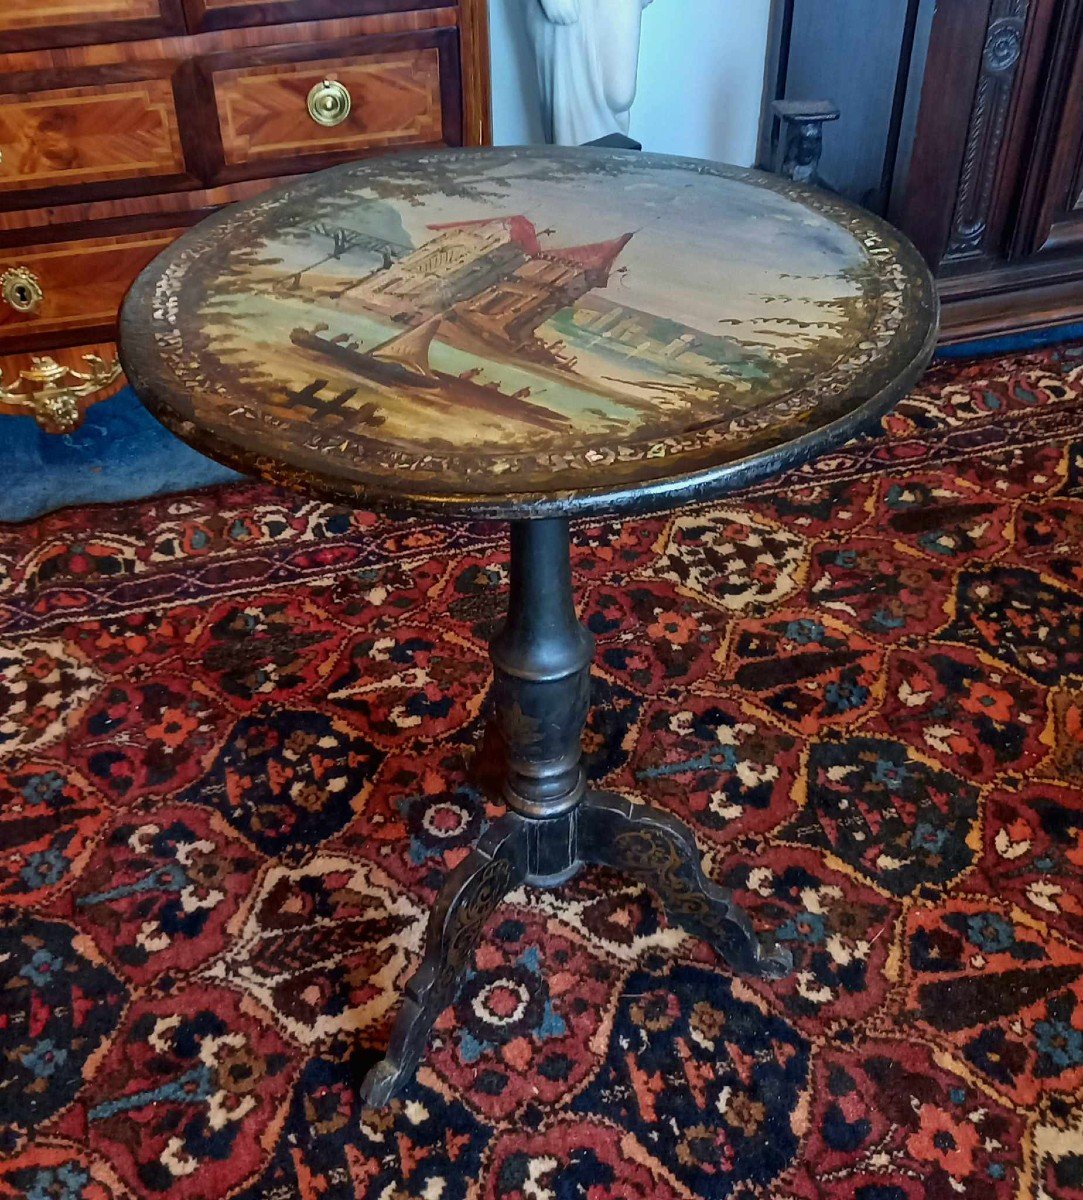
x: 541, y: 664
x: 658, y: 850
x: 471, y: 895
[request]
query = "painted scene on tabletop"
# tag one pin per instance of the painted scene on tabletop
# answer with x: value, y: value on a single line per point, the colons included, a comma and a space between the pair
x: 469, y: 311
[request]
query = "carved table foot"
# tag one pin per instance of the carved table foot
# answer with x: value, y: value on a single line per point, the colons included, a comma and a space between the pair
x: 472, y: 893
x: 658, y: 850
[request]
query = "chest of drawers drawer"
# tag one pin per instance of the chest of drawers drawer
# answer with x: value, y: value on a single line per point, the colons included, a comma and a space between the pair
x: 313, y: 105
x: 72, y: 22
x: 48, y: 290
x: 225, y: 14
x: 65, y: 131
x: 122, y: 122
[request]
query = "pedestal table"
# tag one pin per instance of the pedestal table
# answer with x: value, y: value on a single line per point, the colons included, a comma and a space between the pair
x: 533, y: 335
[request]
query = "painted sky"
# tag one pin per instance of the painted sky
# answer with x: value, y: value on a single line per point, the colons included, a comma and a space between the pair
x: 706, y: 249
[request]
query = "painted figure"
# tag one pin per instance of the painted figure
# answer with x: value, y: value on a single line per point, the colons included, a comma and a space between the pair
x: 587, y: 55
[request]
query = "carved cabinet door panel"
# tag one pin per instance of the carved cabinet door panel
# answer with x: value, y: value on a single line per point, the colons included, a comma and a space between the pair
x: 1051, y: 214
x: 945, y: 146
x: 984, y: 84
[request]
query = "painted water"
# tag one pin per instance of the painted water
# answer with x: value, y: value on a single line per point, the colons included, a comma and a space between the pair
x: 546, y: 319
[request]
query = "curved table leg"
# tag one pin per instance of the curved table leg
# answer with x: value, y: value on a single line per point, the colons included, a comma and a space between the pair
x: 472, y: 893
x: 660, y: 851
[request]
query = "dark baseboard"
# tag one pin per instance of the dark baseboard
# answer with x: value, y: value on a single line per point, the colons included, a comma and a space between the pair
x: 1012, y: 300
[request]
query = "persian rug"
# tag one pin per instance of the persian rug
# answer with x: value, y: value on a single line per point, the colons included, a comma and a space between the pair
x: 234, y: 737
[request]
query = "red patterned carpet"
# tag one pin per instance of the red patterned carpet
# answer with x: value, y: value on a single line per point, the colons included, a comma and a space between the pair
x: 233, y: 728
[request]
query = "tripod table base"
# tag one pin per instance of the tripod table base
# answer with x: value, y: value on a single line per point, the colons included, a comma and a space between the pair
x: 603, y: 829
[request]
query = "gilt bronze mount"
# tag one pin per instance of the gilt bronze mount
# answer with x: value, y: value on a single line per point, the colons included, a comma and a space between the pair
x: 51, y: 391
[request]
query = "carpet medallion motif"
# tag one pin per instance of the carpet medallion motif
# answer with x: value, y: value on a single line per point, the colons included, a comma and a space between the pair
x: 237, y: 732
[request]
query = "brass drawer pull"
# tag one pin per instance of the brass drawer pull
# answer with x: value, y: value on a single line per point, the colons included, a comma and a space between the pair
x: 21, y: 289
x: 329, y: 103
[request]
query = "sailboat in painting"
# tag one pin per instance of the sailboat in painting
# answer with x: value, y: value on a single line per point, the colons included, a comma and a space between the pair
x: 411, y: 349
x: 403, y: 362
x: 482, y: 287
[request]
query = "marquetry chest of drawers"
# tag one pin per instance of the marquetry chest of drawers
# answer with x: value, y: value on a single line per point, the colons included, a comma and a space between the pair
x: 122, y: 122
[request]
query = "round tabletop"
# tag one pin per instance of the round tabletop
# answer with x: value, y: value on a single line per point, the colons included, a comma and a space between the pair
x: 528, y: 332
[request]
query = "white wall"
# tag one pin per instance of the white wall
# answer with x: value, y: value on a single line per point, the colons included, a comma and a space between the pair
x: 700, y: 78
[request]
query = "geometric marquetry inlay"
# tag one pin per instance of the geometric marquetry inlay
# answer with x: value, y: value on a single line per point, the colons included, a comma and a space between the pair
x: 263, y: 111
x: 82, y: 282
x: 72, y: 136
x: 42, y: 14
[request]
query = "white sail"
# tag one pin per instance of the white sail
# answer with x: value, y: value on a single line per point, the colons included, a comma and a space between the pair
x: 411, y: 349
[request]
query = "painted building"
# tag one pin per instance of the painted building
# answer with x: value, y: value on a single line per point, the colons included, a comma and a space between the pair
x: 493, y: 277
x: 512, y: 308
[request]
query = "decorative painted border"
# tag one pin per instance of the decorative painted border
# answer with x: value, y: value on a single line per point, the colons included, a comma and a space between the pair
x: 173, y: 382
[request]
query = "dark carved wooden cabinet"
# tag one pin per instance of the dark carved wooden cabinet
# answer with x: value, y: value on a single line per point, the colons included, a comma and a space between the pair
x: 1053, y: 197
x: 976, y: 149
x: 994, y: 190
x: 122, y: 122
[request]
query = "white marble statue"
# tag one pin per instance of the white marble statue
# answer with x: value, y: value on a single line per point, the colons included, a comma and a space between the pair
x: 587, y: 52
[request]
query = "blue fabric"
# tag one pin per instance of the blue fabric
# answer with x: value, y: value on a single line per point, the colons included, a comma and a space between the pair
x: 1014, y: 343
x: 120, y: 452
